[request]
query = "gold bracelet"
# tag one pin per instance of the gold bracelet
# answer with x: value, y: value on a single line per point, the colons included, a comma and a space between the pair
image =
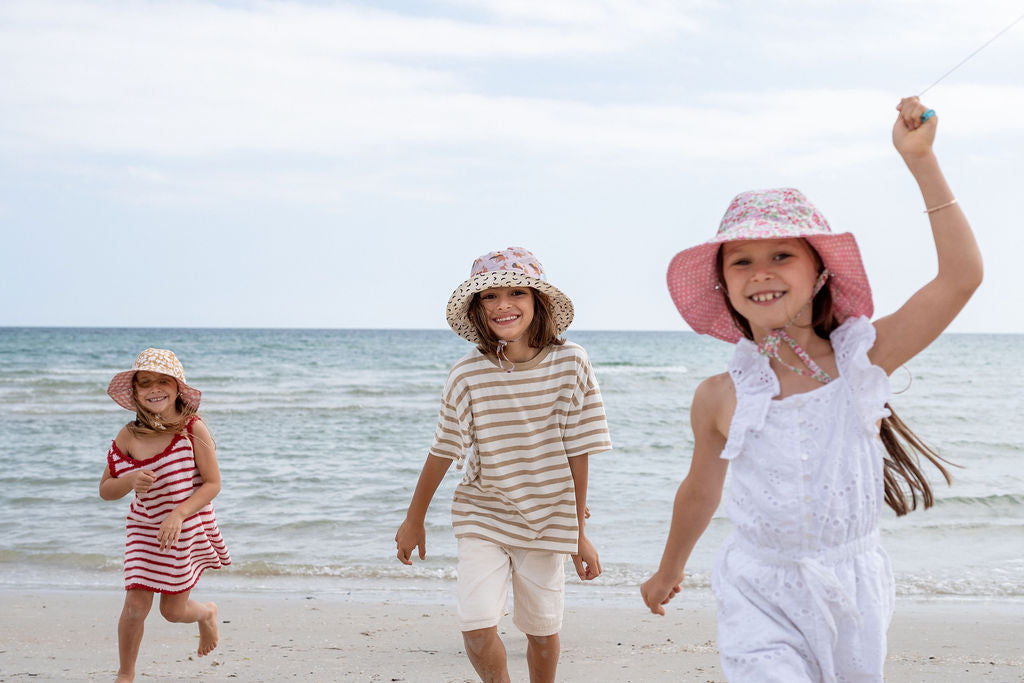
x: 951, y: 202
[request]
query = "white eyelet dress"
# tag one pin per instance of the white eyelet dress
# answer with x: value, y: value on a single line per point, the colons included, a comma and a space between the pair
x: 805, y: 591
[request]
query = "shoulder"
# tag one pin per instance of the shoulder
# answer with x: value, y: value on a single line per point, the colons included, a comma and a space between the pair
x: 713, y: 404
x: 124, y: 439
x: 198, y: 427
x: 715, y: 390
x: 463, y: 372
x: 568, y: 350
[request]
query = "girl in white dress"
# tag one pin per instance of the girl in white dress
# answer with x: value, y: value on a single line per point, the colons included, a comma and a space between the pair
x: 804, y: 590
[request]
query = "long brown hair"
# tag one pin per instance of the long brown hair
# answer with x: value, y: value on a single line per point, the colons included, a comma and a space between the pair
x: 542, y: 330
x: 904, y: 449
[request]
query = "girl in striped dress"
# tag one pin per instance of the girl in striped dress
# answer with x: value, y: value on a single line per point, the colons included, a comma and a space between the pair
x: 167, y: 457
x: 521, y: 412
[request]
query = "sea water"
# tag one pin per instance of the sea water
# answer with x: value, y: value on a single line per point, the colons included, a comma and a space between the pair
x: 321, y: 435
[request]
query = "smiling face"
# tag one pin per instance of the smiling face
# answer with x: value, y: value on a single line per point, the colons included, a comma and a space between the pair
x: 507, y: 311
x: 155, y: 391
x: 768, y: 282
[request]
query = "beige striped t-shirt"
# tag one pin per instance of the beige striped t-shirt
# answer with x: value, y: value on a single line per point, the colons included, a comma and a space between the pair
x: 515, y: 432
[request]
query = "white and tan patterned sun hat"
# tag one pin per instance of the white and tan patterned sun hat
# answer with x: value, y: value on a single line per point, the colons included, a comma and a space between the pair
x: 512, y: 267
x: 152, y: 360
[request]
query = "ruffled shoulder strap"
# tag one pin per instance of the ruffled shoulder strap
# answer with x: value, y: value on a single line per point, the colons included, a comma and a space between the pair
x: 755, y: 384
x: 118, y: 462
x: 869, y: 384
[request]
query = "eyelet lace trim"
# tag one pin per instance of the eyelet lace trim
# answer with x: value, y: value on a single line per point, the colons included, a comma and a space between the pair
x: 756, y: 384
x: 869, y: 383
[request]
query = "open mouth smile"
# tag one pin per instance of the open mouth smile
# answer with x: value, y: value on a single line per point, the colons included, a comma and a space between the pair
x: 766, y: 297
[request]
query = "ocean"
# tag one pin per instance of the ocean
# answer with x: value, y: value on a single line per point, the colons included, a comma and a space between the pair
x: 321, y: 435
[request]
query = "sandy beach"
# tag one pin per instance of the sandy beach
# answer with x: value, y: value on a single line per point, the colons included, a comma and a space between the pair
x: 72, y: 636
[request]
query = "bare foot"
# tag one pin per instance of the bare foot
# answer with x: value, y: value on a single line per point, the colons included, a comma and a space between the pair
x: 123, y: 678
x: 208, y: 633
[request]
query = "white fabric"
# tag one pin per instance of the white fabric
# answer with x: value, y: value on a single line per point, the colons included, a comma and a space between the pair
x: 485, y: 571
x: 805, y: 591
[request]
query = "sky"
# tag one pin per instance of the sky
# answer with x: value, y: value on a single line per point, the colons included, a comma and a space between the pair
x: 341, y: 164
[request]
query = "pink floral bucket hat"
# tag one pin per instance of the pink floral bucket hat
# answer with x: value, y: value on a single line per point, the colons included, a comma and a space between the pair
x: 512, y: 267
x: 759, y: 215
x: 152, y: 360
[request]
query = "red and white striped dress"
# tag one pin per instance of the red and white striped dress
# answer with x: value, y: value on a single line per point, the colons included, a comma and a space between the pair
x: 200, y: 545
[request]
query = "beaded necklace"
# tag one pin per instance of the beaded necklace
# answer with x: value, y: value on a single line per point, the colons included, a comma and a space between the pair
x: 769, y: 346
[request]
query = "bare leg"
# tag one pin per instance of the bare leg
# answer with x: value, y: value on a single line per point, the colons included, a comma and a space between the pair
x: 487, y: 654
x: 542, y: 657
x: 129, y: 631
x: 179, y: 609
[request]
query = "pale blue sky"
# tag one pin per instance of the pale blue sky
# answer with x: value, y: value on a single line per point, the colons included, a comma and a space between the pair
x: 330, y: 164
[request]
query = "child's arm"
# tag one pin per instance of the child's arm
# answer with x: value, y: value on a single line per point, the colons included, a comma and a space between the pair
x: 905, y: 333
x: 588, y: 565
x: 114, y: 488
x: 209, y: 471
x: 699, y: 494
x: 412, y: 533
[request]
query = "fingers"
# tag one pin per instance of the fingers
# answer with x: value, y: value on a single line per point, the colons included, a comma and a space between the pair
x: 580, y: 569
x: 168, y: 537
x: 404, y: 554
x: 654, y: 605
x: 144, y: 480
x: 913, y: 114
x: 587, y: 571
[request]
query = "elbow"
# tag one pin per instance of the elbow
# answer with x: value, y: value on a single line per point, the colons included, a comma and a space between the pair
x: 705, y: 498
x: 970, y: 281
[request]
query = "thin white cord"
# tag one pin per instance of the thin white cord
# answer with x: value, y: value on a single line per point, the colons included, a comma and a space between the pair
x: 965, y: 59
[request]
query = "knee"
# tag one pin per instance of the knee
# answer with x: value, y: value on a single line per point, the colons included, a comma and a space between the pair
x: 172, y: 612
x: 479, y: 639
x: 136, y: 606
x: 544, y: 646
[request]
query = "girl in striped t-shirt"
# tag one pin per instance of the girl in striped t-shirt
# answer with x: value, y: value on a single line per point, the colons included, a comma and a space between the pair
x: 167, y: 457
x: 521, y: 411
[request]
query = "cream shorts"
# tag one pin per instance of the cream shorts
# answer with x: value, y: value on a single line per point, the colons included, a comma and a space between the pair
x: 538, y: 586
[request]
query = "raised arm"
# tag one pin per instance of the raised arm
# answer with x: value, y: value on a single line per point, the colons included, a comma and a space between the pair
x: 412, y: 532
x: 698, y: 496
x: 905, y: 333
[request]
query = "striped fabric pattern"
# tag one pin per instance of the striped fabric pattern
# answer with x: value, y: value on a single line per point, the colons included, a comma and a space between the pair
x: 200, y: 545
x: 515, y: 432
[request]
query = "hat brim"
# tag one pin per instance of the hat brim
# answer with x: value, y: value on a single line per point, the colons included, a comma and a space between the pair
x: 692, y: 280
x: 120, y: 389
x: 457, y: 311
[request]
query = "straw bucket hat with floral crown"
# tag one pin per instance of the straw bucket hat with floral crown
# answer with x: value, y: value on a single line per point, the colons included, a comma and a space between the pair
x: 152, y: 360
x: 759, y: 215
x: 512, y: 267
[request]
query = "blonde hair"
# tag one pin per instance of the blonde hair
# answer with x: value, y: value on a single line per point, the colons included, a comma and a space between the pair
x: 148, y: 423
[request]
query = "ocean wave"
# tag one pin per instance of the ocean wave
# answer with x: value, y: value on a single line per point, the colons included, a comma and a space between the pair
x: 997, y: 504
x: 83, y: 561
x: 633, y: 369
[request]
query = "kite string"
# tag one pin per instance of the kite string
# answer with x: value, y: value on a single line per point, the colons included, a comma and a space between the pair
x: 968, y: 57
